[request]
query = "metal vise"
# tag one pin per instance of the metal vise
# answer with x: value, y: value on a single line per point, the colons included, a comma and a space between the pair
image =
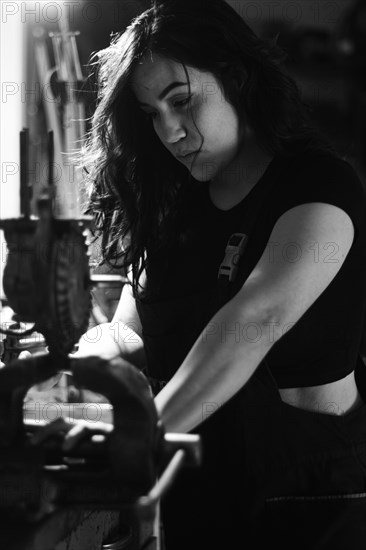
x: 131, y: 469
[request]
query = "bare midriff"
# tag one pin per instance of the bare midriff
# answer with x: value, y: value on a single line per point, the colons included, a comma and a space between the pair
x: 337, y: 398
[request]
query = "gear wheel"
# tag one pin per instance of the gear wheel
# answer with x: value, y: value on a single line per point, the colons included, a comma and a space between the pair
x: 69, y: 284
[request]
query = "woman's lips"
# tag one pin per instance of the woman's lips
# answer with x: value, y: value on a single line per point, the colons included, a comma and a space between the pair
x: 188, y: 157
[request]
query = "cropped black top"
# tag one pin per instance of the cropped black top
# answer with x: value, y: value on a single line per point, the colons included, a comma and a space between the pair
x: 323, y: 345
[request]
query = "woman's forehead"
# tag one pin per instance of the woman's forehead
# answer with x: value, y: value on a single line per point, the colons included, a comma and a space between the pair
x: 153, y: 69
x: 155, y: 73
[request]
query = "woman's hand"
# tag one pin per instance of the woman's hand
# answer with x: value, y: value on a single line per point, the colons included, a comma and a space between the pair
x: 73, y: 431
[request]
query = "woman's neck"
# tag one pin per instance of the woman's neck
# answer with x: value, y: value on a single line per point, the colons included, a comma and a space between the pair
x: 231, y: 185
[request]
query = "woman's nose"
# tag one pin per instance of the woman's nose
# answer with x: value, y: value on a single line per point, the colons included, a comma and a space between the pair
x: 172, y: 129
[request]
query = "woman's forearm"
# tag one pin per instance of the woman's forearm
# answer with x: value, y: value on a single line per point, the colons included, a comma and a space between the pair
x: 221, y: 361
x: 110, y: 339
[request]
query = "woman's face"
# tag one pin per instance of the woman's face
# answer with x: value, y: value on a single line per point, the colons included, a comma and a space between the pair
x: 185, y: 117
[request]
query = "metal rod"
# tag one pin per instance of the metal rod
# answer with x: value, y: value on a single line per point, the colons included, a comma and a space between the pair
x: 24, y: 170
x: 149, y: 501
x: 57, y: 53
x: 51, y: 154
x: 79, y: 74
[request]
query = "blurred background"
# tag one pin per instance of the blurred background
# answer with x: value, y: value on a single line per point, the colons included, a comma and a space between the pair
x: 325, y: 42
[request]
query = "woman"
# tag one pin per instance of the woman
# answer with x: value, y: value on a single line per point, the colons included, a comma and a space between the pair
x: 198, y: 135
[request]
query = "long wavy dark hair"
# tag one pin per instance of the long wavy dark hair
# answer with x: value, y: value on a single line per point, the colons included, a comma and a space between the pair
x: 134, y: 183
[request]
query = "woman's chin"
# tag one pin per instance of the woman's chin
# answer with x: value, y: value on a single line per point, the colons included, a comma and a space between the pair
x: 202, y: 172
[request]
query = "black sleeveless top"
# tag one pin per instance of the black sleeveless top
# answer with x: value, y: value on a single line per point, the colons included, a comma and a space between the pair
x: 323, y: 345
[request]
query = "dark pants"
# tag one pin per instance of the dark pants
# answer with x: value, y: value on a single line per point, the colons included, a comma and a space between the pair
x: 273, y: 475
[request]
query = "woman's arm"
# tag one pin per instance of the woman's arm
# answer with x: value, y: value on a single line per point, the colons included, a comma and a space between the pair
x: 277, y: 293
x: 122, y: 336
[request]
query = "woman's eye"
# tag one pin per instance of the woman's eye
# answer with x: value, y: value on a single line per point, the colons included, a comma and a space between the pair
x: 182, y: 102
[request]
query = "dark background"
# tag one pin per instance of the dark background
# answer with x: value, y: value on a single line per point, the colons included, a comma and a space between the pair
x: 325, y: 42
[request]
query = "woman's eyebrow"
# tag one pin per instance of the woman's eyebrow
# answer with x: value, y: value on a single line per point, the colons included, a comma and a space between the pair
x: 171, y: 86
x: 166, y: 90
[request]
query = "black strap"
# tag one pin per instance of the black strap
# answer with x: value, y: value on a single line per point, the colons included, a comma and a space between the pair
x: 237, y: 243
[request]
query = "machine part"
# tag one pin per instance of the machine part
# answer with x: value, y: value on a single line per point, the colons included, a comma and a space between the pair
x: 18, y: 341
x: 146, y: 505
x: 70, y: 301
x: 120, y: 540
x: 133, y: 444
x: 62, y: 270
x: 17, y: 332
x: 15, y: 380
x: 18, y: 280
x: 117, y: 472
x: 108, y: 281
x: 52, y: 253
